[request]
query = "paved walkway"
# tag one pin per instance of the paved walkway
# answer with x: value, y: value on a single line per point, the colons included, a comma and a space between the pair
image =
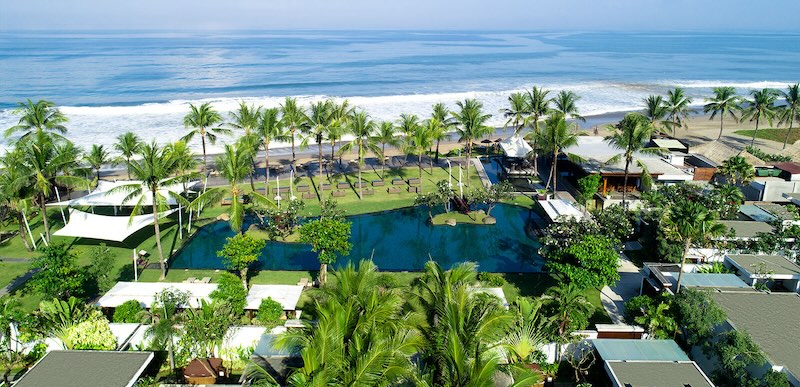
x: 481, y: 172
x: 613, y: 297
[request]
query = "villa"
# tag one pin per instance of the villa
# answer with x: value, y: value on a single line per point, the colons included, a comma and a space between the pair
x: 87, y: 368
x: 776, y: 269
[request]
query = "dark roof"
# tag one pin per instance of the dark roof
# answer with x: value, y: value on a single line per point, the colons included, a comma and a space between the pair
x: 747, y: 228
x: 203, y: 367
x: 778, y: 264
x: 657, y: 374
x: 87, y: 368
x: 791, y: 167
x: 770, y: 319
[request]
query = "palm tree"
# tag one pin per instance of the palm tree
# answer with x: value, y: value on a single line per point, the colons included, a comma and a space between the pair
x: 319, y: 118
x: 690, y: 222
x: 246, y: 118
x: 566, y: 103
x: 164, y: 316
x: 207, y: 325
x: 234, y: 164
x: 737, y: 170
x: 791, y: 110
x: 185, y: 161
x: 539, y: 106
x: 730, y: 193
x: 567, y: 302
x: 385, y: 135
x: 362, y: 128
x: 97, y: 157
x: 659, y: 324
x: 761, y: 107
x: 293, y: 119
x: 127, y: 145
x: 471, y: 125
x: 554, y: 139
x: 16, y: 189
x: 340, y: 120
x: 270, y: 128
x: 157, y: 171
x: 421, y: 140
x: 442, y: 114
x: 204, y: 121
x: 71, y: 159
x: 527, y: 334
x: 517, y: 111
x: 407, y: 126
x: 725, y: 101
x: 655, y: 109
x: 39, y: 116
x: 677, y: 105
x: 631, y: 135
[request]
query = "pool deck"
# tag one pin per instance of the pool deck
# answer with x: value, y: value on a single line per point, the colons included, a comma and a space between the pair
x: 482, y: 172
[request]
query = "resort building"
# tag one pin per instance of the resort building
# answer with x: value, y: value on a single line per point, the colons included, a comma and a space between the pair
x: 144, y: 293
x: 655, y: 363
x: 86, y: 368
x: 744, y: 230
x: 771, y: 319
x: 777, y: 270
x: 286, y: 295
x: 660, y: 277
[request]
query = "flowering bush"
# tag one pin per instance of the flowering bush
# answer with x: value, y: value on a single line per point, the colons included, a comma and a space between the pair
x: 94, y: 333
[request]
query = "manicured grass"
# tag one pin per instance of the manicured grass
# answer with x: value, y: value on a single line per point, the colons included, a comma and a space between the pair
x: 11, y: 270
x: 474, y: 217
x: 772, y: 134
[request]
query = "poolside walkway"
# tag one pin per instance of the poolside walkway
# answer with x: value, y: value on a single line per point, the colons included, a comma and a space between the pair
x: 481, y: 172
x: 613, y: 297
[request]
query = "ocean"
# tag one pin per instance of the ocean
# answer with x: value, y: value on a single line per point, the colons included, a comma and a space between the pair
x: 110, y: 82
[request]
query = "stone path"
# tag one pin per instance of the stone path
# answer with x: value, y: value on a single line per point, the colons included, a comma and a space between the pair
x: 613, y: 297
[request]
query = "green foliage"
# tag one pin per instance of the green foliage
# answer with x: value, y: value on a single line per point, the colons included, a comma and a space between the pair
x: 327, y: 238
x: 58, y: 276
x: 129, y: 312
x: 491, y: 195
x: 771, y: 157
x: 775, y: 379
x: 736, y: 351
x: 93, y: 334
x: 99, y: 270
x: 615, y: 222
x: 240, y: 251
x: 269, y: 313
x: 569, y: 309
x: 658, y: 322
x: 636, y: 306
x: 280, y: 223
x: 439, y: 197
x: 329, y: 209
x: 205, y: 327
x: 587, y: 187
x: 737, y: 170
x: 495, y: 280
x: 57, y: 314
x: 698, y: 314
x: 714, y: 268
x: 564, y: 233
x: 592, y: 262
x: 230, y: 289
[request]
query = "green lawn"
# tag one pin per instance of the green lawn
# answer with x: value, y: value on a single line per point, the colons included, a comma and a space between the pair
x: 772, y: 134
x: 475, y: 217
x: 11, y: 270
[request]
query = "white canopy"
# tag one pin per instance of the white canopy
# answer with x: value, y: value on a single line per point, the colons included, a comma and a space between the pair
x: 103, y: 195
x: 555, y: 209
x: 144, y: 292
x: 515, y: 146
x: 110, y: 228
x: 286, y: 295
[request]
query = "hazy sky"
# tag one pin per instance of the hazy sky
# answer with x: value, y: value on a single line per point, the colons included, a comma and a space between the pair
x: 402, y: 14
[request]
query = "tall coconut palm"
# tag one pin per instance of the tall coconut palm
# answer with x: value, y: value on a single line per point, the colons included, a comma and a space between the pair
x: 471, y: 122
x: 539, y: 106
x: 156, y: 169
x: 677, y: 105
x: 39, y: 116
x: 566, y: 103
x: 185, y: 161
x: 690, y: 222
x: 246, y: 118
x: 517, y: 111
x: 319, y: 118
x: 71, y: 159
x: 760, y: 107
x: 164, y: 316
x: 724, y: 102
x: 791, y: 109
x: 420, y: 142
x: 97, y: 157
x: 16, y: 189
x: 567, y: 303
x: 270, y: 128
x: 127, y: 145
x: 655, y: 109
x: 294, y: 119
x: 442, y: 114
x: 235, y: 163
x: 385, y: 135
x: 204, y: 122
x: 362, y: 128
x: 553, y: 140
x: 631, y: 136
x: 407, y: 125
x: 341, y: 114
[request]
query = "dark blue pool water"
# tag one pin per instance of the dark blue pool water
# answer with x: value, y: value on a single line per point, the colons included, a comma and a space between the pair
x: 493, y: 169
x: 396, y: 240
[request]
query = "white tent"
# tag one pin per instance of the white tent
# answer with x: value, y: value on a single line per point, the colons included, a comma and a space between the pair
x: 557, y: 209
x: 103, y: 195
x: 144, y: 292
x: 286, y: 295
x: 110, y: 228
x: 515, y: 146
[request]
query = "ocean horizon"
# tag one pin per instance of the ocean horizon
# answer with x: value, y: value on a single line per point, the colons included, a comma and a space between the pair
x: 110, y: 82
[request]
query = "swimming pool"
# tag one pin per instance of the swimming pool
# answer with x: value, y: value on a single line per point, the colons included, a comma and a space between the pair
x: 398, y: 240
x: 494, y: 169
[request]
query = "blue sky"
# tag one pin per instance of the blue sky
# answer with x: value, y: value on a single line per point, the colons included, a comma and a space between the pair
x: 402, y: 14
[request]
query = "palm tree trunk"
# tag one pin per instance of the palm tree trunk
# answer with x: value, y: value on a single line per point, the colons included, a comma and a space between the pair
x: 437, y: 152
x: 469, y: 157
x: 686, y: 246
x: 129, y: 168
x: 21, y: 223
x: 266, y: 166
x: 319, y: 158
x: 333, y: 153
x: 431, y: 162
x: 161, y: 260
x: 788, y: 131
x: 383, y: 161
x: 45, y: 221
x: 625, y: 181
x: 535, y: 151
x: 555, y: 175
x: 293, y: 154
x: 205, y: 163
x: 420, y: 171
x: 360, y: 163
x: 755, y: 132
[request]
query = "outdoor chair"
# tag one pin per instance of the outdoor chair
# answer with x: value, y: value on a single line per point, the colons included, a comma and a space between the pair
x: 190, y: 280
x: 369, y: 192
x: 325, y: 186
x: 393, y: 190
x: 338, y: 193
x: 413, y: 189
x: 398, y: 182
x: 308, y: 195
x: 377, y: 183
x: 303, y: 188
x: 343, y: 185
x: 205, y: 280
x: 413, y: 181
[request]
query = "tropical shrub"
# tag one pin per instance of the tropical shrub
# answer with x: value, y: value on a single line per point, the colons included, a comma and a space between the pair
x: 239, y: 252
x: 230, y: 289
x: 494, y: 280
x: 98, y: 273
x: 592, y: 262
x: 698, y: 314
x: 636, y: 306
x: 587, y: 188
x: 58, y: 276
x: 129, y: 312
x: 767, y: 156
x: 93, y: 334
x: 615, y: 222
x: 269, y: 313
